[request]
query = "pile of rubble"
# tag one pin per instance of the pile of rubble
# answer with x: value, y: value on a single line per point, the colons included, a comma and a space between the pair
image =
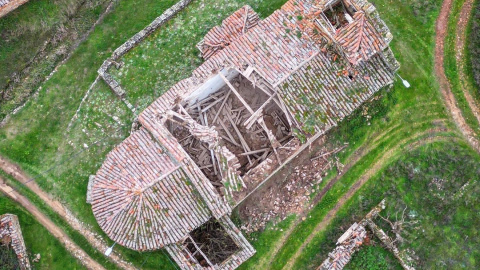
x: 229, y: 114
x: 293, y: 194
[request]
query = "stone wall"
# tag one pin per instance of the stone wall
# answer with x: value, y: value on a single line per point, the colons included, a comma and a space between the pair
x: 134, y: 41
x: 9, y: 227
x: 350, y: 242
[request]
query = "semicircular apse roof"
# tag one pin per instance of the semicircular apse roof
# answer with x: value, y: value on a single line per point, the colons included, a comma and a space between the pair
x: 142, y: 198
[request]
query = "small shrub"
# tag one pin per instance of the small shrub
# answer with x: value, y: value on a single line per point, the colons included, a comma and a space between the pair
x: 369, y: 257
x: 421, y: 9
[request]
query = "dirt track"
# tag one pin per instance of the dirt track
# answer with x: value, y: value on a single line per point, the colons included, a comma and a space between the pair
x: 358, y: 184
x: 15, y: 171
x: 58, y: 233
x: 465, y: 15
x: 441, y: 31
x: 449, y: 98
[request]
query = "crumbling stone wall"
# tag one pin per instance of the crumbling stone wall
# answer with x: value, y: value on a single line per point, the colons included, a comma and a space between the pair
x: 9, y: 227
x: 134, y: 41
x: 352, y: 239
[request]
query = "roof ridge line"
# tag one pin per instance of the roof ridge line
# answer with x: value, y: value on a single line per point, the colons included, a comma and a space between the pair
x: 160, y: 178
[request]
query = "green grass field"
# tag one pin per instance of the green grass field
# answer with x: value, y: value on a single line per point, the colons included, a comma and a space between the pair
x: 458, y: 84
x: 373, y: 258
x: 34, y: 38
x: 447, y: 209
x: 38, y: 138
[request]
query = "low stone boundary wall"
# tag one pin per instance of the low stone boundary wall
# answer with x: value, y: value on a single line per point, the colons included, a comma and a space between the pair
x: 134, y: 41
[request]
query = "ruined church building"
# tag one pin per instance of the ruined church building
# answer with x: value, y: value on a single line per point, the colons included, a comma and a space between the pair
x: 266, y: 89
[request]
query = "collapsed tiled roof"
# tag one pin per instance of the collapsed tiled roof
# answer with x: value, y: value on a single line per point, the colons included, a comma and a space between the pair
x: 360, y: 39
x: 232, y: 27
x: 347, y: 244
x: 10, y: 230
x: 280, y: 45
x: 204, y: 187
x: 274, y: 47
x: 183, y: 257
x: 142, y: 198
x: 324, y: 90
x: 312, y: 78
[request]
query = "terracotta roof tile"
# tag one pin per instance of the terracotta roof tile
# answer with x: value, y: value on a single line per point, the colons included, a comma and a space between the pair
x: 142, y: 198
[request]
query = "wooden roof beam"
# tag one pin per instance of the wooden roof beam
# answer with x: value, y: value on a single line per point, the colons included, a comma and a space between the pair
x: 252, y: 119
x: 273, y: 141
x: 201, y: 252
x: 236, y: 93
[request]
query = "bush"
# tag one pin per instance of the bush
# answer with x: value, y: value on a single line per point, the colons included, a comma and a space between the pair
x: 371, y: 258
x: 421, y: 9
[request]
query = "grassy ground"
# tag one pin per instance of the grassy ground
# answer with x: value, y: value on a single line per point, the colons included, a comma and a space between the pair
x: 451, y: 70
x: 39, y: 240
x: 37, y: 138
x: 36, y: 37
x: 472, y: 55
x: 437, y: 184
x: 373, y: 258
x: 47, y: 211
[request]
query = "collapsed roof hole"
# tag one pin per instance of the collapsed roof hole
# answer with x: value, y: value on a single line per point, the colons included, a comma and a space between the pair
x: 212, y: 241
x: 224, y: 110
x: 339, y: 14
x: 198, y: 151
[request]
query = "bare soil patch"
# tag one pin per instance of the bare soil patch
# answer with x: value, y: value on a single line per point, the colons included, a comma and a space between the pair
x: 95, y: 240
x: 58, y: 233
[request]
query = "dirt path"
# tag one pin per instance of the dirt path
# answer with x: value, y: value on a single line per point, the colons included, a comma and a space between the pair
x: 357, y: 185
x: 465, y: 15
x: 356, y: 156
x: 449, y: 98
x: 58, y: 233
x: 350, y: 162
x: 96, y: 241
x: 441, y: 31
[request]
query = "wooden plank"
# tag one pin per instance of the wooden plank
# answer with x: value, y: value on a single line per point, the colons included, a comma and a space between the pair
x: 256, y: 114
x: 242, y: 140
x: 228, y: 132
x: 201, y: 252
x: 221, y: 106
x: 255, y: 151
x: 211, y: 151
x: 211, y: 105
x: 236, y: 93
